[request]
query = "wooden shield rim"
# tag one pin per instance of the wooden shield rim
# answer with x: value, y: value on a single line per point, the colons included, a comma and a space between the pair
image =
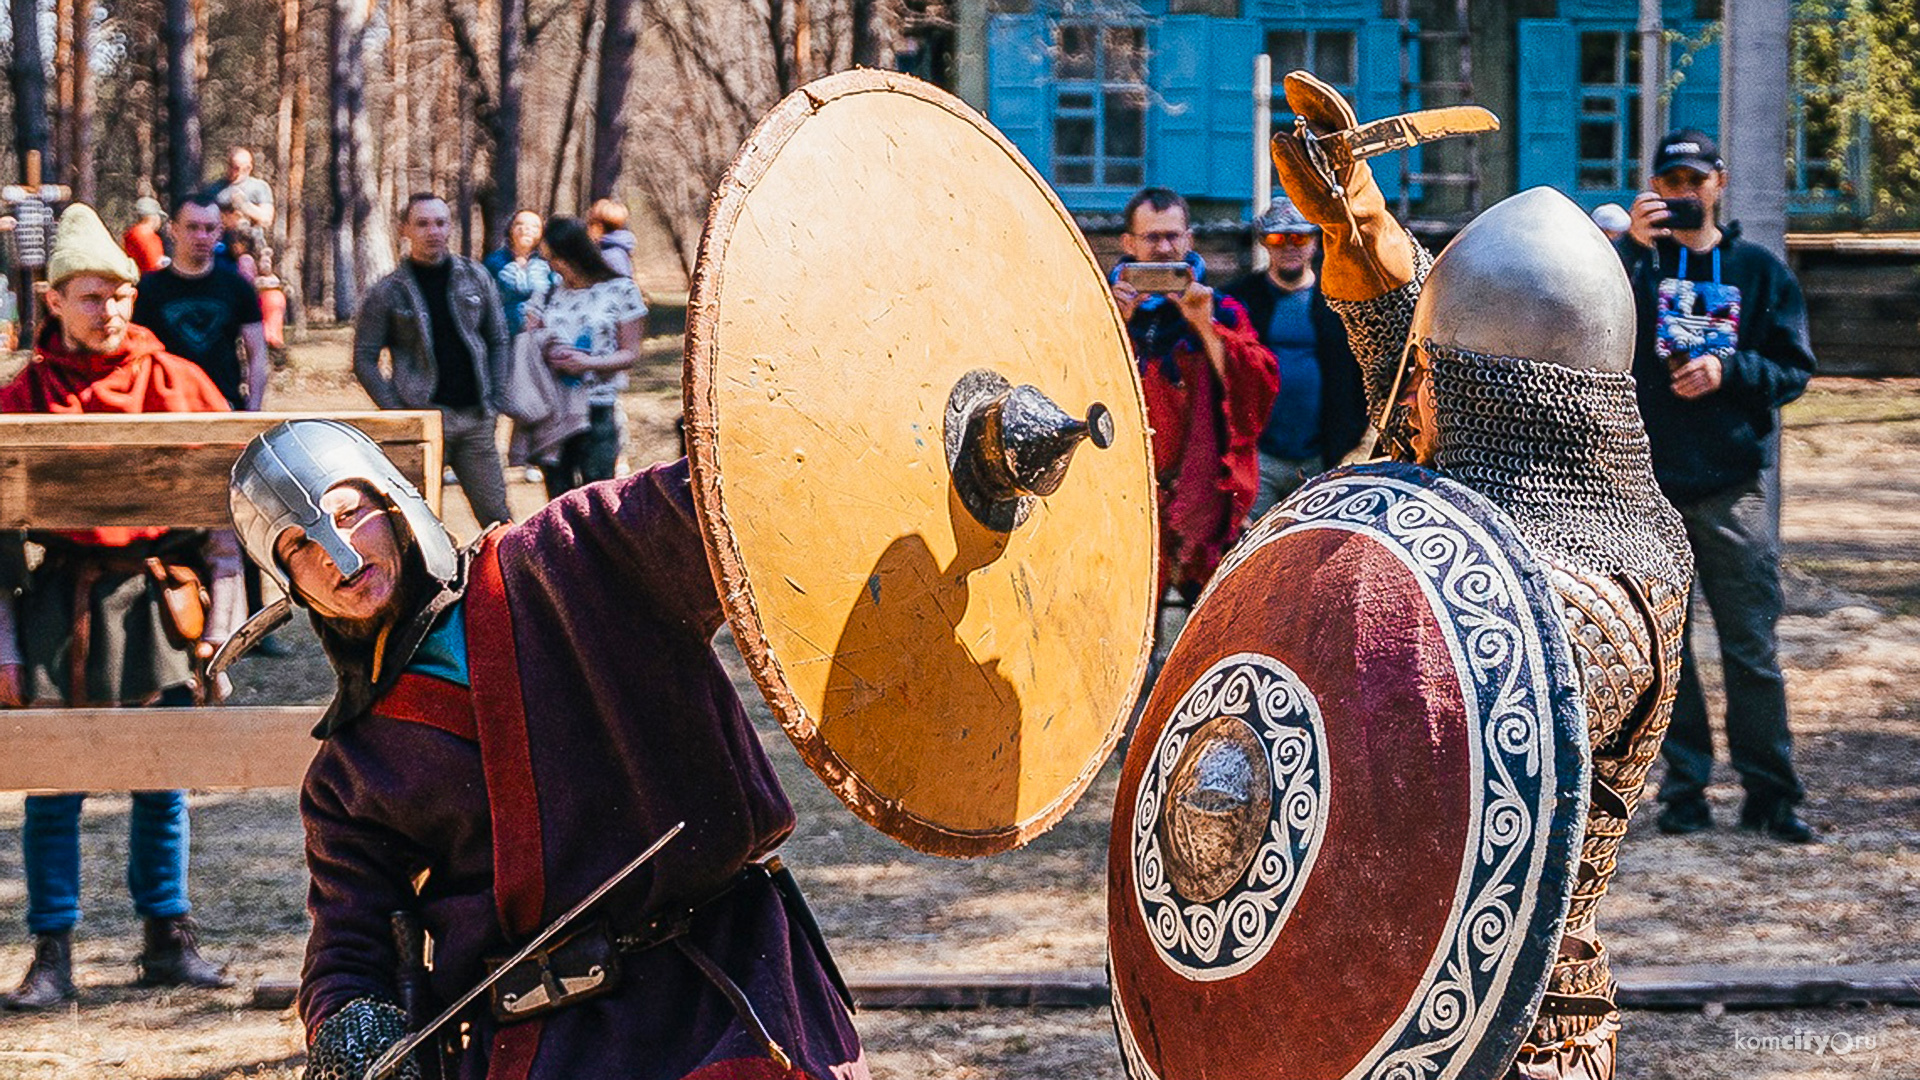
x: 724, y: 556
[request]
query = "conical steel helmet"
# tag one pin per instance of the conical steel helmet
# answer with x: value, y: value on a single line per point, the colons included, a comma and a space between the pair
x: 1531, y: 277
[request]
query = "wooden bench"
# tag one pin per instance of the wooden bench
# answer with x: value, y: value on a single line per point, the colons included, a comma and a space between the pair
x: 171, y: 469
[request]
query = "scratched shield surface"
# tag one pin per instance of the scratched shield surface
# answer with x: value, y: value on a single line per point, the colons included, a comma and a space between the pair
x: 1347, y: 826
x: 876, y: 240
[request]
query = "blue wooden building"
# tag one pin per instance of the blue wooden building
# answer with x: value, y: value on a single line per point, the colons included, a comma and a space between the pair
x: 1105, y: 96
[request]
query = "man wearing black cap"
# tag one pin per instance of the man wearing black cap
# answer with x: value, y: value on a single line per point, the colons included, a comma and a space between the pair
x: 1320, y: 413
x: 1722, y: 345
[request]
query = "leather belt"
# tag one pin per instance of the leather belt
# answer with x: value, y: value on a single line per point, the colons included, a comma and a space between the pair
x: 585, y: 964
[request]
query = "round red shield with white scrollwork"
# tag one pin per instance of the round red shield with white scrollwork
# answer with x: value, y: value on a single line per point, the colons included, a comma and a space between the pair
x: 1349, y: 819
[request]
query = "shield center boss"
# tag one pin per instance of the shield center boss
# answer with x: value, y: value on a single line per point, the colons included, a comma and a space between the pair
x: 1234, y: 795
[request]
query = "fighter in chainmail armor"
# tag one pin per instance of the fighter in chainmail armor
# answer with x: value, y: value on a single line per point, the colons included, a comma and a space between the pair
x: 1504, y: 365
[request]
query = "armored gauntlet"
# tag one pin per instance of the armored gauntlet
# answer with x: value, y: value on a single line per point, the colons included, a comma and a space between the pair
x: 1368, y: 254
x: 349, y: 1041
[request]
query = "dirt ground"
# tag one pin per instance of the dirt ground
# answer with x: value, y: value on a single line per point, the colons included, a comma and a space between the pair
x: 1851, y: 643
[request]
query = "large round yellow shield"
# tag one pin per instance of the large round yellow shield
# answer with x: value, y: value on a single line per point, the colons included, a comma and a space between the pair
x: 920, y: 460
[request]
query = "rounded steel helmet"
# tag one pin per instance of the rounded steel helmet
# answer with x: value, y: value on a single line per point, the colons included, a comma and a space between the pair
x: 1531, y: 277
x: 278, y: 481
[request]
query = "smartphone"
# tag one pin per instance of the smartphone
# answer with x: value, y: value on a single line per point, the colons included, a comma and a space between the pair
x: 1157, y: 277
x: 1685, y: 213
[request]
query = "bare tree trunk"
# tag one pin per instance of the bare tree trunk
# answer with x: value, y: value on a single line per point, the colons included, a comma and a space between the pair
x: 783, y: 75
x: 506, y: 121
x: 183, y: 100
x: 802, y: 42
x: 54, y: 164
x: 463, y: 196
x: 83, y: 168
x: 28, y: 73
x: 618, y: 43
x: 569, y: 115
x: 289, y: 162
x: 397, y: 131
x: 866, y: 36
x: 350, y: 176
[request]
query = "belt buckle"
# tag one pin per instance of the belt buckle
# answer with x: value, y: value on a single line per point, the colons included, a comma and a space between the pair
x: 584, y: 964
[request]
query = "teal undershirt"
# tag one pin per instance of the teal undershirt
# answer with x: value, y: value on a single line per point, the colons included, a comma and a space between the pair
x: 443, y: 652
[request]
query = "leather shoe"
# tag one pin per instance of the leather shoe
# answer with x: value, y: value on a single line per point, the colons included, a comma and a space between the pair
x: 1776, y: 819
x: 172, y: 957
x: 1685, y: 816
x: 49, y: 979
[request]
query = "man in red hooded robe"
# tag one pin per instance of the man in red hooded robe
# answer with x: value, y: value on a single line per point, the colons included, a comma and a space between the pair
x: 88, y: 624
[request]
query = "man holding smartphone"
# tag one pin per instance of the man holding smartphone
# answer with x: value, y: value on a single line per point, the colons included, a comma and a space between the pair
x: 1208, y: 383
x: 1722, y: 344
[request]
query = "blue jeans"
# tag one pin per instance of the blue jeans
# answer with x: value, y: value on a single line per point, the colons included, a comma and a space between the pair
x: 156, y: 853
x: 156, y: 858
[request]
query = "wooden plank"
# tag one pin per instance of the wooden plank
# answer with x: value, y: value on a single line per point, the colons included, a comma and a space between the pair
x: 155, y: 749
x: 1070, y: 989
x: 74, y: 472
x: 1797, y: 987
x: 1643, y: 988
x: 232, y: 428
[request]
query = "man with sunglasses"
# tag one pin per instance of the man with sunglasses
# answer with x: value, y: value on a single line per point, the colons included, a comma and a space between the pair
x: 1208, y: 384
x: 1320, y: 412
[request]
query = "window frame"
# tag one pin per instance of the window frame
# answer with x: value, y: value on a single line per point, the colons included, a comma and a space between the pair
x: 1101, y: 86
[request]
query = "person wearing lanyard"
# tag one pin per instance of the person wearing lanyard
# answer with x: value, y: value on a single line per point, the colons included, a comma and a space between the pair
x: 1721, y: 345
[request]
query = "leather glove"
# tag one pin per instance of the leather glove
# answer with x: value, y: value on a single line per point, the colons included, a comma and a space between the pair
x: 1368, y: 253
x: 351, y: 1039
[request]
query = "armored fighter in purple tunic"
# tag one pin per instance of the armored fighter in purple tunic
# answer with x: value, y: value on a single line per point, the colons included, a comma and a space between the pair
x: 514, y: 723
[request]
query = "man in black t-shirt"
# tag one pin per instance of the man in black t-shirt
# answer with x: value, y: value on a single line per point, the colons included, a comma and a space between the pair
x: 205, y: 311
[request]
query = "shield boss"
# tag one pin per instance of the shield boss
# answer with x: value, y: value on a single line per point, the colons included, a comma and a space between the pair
x: 1346, y: 832
x: 954, y: 658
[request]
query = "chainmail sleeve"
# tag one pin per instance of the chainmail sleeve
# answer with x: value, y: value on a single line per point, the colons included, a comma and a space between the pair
x: 1378, y: 329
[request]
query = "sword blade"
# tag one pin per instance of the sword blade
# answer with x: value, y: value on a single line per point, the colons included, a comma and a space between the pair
x: 1406, y: 130
x: 384, y: 1065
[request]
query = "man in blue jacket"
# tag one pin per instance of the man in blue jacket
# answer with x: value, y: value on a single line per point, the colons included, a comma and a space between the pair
x: 1320, y: 413
x: 1722, y: 345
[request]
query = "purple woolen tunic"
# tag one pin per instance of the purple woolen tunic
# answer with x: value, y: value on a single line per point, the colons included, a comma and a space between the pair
x: 598, y: 716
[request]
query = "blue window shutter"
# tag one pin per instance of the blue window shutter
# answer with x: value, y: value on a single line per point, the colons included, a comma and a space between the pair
x: 1180, y: 70
x: 1696, y: 101
x: 1549, y: 103
x: 1230, y: 76
x: 1020, y: 85
x: 1379, y: 91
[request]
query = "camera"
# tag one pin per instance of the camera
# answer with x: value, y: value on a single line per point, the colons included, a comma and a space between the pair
x: 1158, y: 277
x: 1686, y: 213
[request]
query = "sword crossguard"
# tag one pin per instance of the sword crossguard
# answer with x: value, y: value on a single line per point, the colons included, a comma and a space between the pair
x: 1317, y: 157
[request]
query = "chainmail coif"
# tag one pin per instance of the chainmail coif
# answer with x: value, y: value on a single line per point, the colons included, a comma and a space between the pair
x: 1564, y: 453
x: 349, y: 1041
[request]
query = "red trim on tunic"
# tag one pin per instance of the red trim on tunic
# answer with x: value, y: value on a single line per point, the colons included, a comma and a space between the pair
x: 435, y: 702
x: 506, y: 757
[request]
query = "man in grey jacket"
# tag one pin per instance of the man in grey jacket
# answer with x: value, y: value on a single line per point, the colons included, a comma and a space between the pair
x: 438, y: 317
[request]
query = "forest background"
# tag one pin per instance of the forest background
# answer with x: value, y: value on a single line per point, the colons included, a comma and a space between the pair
x: 350, y: 105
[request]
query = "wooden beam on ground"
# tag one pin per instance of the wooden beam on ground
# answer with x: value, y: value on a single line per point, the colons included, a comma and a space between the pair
x: 1649, y: 988
x: 1694, y: 986
x: 166, y: 469
x: 155, y: 749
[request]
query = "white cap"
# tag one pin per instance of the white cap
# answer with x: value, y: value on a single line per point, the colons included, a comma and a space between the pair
x: 1611, y: 217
